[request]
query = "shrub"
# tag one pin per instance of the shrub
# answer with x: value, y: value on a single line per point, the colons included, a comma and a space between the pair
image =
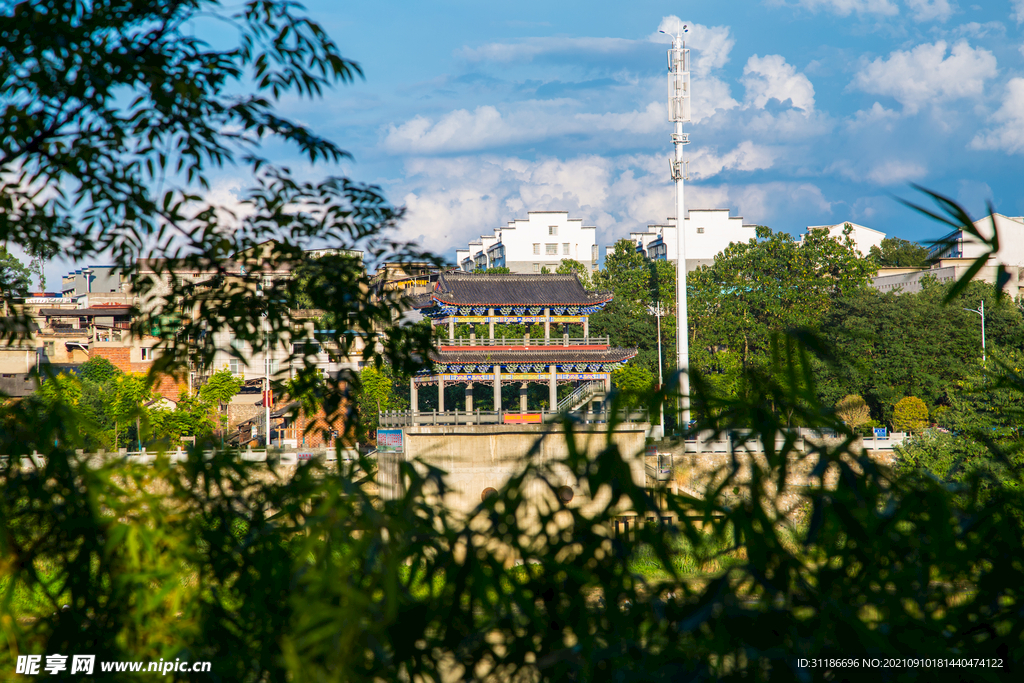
x: 910, y: 415
x: 853, y: 410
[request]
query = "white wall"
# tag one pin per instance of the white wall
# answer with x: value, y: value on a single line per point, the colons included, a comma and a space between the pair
x: 708, y: 233
x: 863, y: 237
x: 571, y: 240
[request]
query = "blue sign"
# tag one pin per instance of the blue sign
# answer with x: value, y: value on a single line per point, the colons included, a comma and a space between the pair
x: 881, y: 433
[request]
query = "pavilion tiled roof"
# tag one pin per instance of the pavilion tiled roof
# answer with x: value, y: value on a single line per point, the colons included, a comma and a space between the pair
x: 515, y: 289
x: 540, y: 354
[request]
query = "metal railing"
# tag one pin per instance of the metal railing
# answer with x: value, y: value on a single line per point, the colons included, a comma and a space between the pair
x: 489, y: 417
x: 525, y: 341
x: 284, y: 456
x: 705, y: 442
x: 583, y: 393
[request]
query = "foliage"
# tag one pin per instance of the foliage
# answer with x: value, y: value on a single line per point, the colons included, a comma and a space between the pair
x: 899, y: 253
x: 570, y: 266
x: 634, y: 382
x: 910, y: 415
x: 98, y: 369
x: 764, y: 286
x: 63, y: 388
x: 190, y: 417
x: 14, y: 276
x: 636, y: 283
x: 115, y: 120
x: 852, y: 410
x: 221, y: 387
x: 378, y: 392
x: 314, y: 577
x: 867, y: 350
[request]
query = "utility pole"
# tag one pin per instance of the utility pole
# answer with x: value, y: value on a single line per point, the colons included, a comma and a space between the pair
x: 980, y: 311
x: 679, y: 113
x: 657, y: 311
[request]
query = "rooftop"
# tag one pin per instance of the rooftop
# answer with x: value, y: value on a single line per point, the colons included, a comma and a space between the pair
x: 515, y: 289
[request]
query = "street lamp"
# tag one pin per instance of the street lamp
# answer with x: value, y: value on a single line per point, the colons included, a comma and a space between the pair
x: 656, y: 310
x: 980, y: 311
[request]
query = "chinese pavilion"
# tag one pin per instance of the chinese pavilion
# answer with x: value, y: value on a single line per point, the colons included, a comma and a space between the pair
x: 501, y: 300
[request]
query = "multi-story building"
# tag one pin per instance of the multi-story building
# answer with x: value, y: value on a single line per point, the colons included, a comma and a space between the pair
x: 957, y: 251
x: 541, y: 241
x: 863, y: 237
x: 708, y: 232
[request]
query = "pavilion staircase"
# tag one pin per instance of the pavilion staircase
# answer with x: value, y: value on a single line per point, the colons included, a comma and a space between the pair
x: 579, y: 398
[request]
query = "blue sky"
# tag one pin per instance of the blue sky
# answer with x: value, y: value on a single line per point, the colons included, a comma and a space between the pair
x: 804, y: 111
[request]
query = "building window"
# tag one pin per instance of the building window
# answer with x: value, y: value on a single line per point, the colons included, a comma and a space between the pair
x: 271, y: 366
x: 551, y: 249
x: 536, y: 248
x: 552, y: 229
x: 48, y: 348
x: 536, y: 267
x: 235, y: 366
x: 700, y: 231
x: 565, y: 249
x: 147, y: 354
x: 237, y: 343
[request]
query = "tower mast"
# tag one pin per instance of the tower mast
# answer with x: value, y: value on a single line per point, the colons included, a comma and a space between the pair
x: 679, y: 113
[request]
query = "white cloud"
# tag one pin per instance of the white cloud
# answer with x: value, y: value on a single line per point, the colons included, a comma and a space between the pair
x: 925, y: 74
x: 877, y: 115
x: 931, y: 10
x: 1017, y: 10
x: 486, y: 127
x: 896, y: 171
x: 709, y: 95
x: 454, y: 200
x: 529, y: 48
x: 747, y: 156
x: 845, y: 8
x: 770, y: 77
x: 1008, y: 133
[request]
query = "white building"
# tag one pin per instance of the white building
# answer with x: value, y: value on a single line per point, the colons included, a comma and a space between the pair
x: 955, y: 254
x: 542, y: 240
x: 708, y: 232
x: 863, y: 237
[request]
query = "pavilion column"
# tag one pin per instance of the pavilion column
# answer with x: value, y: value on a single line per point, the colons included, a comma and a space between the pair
x: 553, y: 388
x: 586, y: 326
x: 469, y: 397
x: 497, y: 388
x: 451, y: 328
x: 414, y: 396
x: 440, y: 394
x: 547, y: 326
x: 522, y: 397
x: 490, y: 324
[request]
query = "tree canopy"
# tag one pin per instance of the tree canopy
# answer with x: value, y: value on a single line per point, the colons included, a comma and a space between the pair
x: 899, y: 253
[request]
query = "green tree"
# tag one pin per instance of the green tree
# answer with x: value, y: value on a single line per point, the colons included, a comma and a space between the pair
x: 634, y: 382
x: 853, y: 410
x: 378, y: 392
x: 764, y: 286
x: 130, y: 392
x: 14, y: 276
x: 98, y: 369
x: 570, y: 266
x: 867, y: 350
x: 218, y: 391
x: 899, y: 253
x: 910, y: 415
x: 64, y: 388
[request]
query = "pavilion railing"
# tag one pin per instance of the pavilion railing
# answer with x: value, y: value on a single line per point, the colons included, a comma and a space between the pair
x: 489, y: 417
x: 524, y: 341
x: 583, y: 393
